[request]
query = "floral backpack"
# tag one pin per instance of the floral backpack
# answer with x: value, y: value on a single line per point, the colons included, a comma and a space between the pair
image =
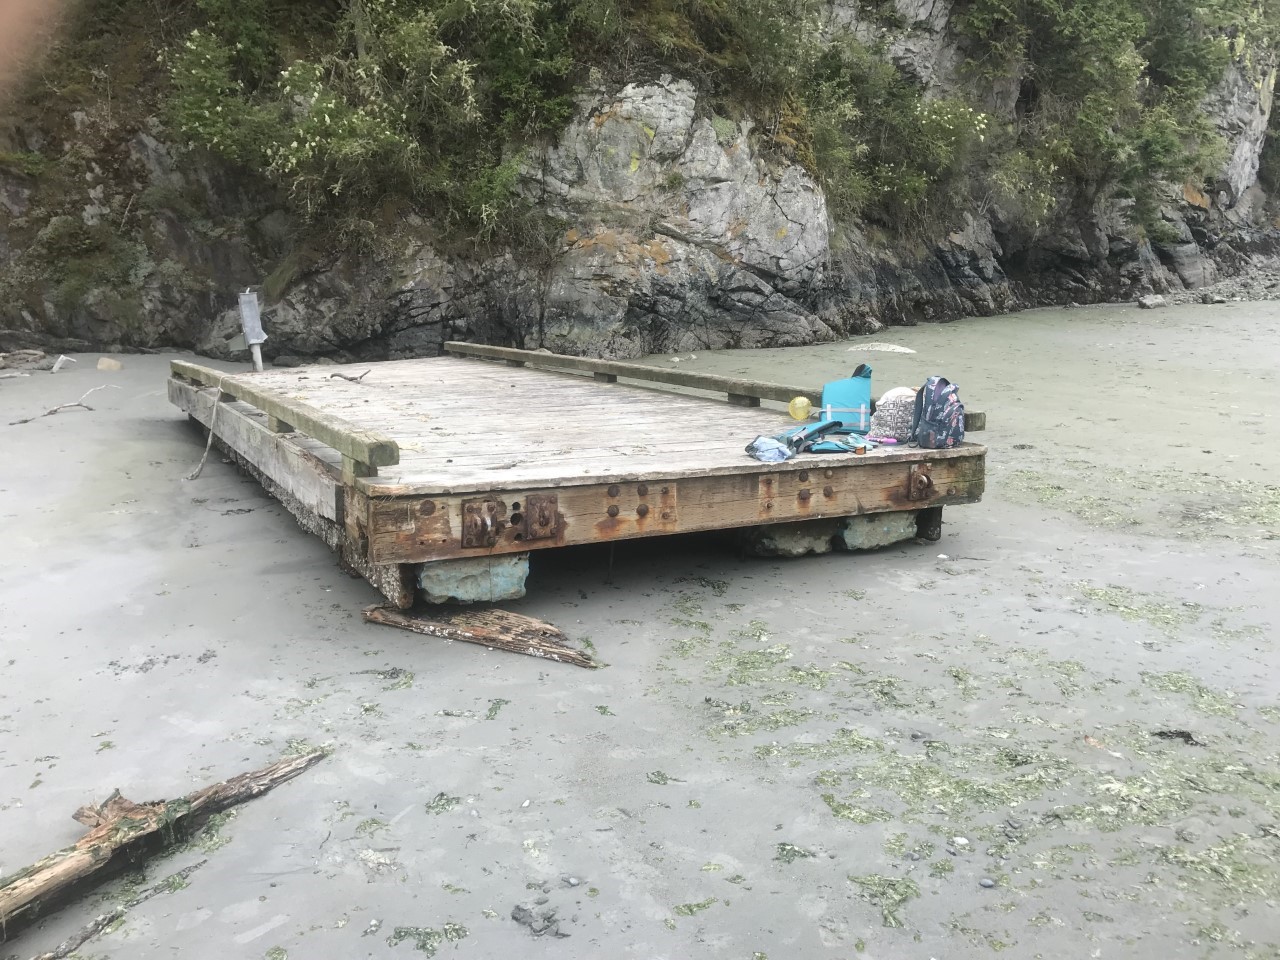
x: 938, y: 419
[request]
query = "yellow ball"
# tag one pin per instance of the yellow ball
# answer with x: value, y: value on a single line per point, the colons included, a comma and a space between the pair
x: 800, y: 408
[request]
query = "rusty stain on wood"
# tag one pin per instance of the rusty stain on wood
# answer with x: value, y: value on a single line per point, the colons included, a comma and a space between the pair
x: 589, y: 514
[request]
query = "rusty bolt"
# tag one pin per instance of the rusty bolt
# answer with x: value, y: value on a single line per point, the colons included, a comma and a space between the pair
x: 643, y: 489
x: 828, y: 474
x: 666, y: 514
x: 665, y: 491
x: 613, y: 510
x: 828, y: 491
x: 427, y: 507
x: 642, y: 510
x: 804, y: 476
x: 804, y: 494
x: 614, y: 490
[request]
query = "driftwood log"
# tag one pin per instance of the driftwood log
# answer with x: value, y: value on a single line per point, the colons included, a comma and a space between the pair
x: 489, y: 628
x: 121, y: 832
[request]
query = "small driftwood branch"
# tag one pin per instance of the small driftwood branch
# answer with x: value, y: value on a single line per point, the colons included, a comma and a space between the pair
x: 68, y: 406
x: 343, y: 376
x: 103, y: 921
x: 121, y: 832
x: 489, y: 628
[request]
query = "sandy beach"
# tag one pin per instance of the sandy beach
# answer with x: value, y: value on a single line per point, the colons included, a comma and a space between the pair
x: 929, y: 751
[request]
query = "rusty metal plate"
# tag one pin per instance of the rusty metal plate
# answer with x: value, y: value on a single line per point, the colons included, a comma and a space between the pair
x: 920, y: 482
x: 541, y: 516
x: 482, y: 521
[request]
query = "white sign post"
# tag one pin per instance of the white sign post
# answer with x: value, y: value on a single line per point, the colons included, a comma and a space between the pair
x: 251, y: 324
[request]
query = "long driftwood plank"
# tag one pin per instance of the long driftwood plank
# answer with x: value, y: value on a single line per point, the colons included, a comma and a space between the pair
x: 739, y: 392
x: 489, y: 628
x: 121, y: 830
x: 752, y: 389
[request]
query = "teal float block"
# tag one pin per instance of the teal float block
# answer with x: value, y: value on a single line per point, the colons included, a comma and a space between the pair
x: 474, y: 579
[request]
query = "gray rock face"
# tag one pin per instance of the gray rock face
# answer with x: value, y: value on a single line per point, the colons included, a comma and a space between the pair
x: 1240, y: 107
x: 682, y: 236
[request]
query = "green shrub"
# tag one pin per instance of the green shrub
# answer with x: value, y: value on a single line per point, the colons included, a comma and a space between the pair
x: 1022, y: 186
x: 755, y: 50
x: 1111, y: 89
x: 24, y: 163
x: 416, y: 100
x: 879, y: 148
x: 1269, y: 163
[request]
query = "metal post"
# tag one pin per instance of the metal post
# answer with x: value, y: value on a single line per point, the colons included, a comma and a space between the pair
x: 251, y: 324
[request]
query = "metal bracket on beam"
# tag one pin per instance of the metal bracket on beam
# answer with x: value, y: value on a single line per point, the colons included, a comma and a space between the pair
x: 482, y: 521
x: 920, y: 481
x: 541, y: 516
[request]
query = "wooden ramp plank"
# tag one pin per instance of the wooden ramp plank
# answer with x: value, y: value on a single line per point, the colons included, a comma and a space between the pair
x: 300, y: 473
x: 433, y: 479
x: 738, y: 391
x: 681, y: 378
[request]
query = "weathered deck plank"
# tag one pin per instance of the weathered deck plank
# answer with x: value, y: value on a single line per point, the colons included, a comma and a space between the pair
x: 747, y: 393
x: 730, y: 386
x: 467, y: 425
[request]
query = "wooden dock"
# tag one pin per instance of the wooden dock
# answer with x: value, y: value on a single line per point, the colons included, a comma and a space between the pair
x: 491, y: 452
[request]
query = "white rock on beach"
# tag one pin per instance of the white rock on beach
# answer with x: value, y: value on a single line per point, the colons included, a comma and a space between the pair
x: 881, y: 348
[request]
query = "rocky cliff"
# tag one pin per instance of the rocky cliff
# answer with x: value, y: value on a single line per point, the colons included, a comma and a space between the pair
x: 674, y: 230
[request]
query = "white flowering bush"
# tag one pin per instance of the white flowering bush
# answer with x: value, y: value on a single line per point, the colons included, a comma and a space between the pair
x: 209, y: 107
x: 880, y: 148
x: 1023, y: 187
x: 946, y: 129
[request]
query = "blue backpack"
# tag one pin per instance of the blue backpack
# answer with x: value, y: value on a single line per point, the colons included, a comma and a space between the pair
x: 938, y: 419
x: 849, y: 401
